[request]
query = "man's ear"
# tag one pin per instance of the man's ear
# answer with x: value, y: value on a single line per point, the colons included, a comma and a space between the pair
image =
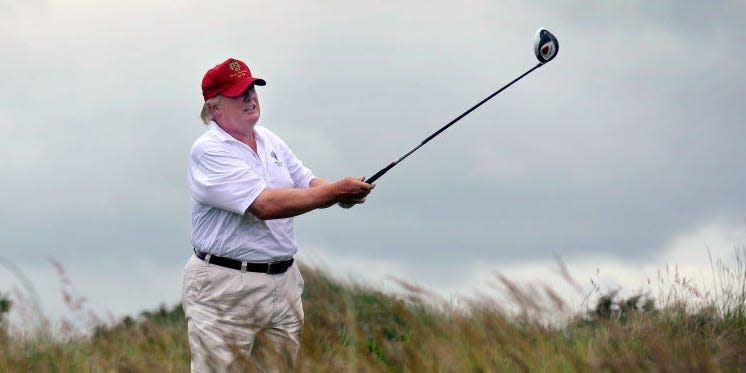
x: 214, y: 109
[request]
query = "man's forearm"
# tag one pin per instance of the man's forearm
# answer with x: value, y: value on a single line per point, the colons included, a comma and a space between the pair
x: 285, y: 203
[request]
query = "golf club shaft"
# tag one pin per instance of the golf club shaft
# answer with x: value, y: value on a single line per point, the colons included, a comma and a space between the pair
x: 394, y: 163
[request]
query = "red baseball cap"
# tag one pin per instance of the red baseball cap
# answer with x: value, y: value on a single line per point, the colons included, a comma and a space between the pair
x: 230, y: 79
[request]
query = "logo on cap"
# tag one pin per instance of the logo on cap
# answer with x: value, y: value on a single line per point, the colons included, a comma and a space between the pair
x: 238, y: 72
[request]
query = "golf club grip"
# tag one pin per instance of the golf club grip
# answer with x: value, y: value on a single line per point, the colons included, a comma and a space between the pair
x: 380, y: 173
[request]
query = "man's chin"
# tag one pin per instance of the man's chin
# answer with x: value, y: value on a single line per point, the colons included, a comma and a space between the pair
x: 253, y: 120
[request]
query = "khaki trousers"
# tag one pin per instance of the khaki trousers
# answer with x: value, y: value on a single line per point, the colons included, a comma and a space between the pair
x: 240, y: 321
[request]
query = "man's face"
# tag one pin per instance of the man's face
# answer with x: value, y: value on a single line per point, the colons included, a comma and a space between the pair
x: 241, y: 109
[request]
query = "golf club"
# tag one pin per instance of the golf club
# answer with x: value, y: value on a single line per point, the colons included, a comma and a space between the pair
x: 546, y: 47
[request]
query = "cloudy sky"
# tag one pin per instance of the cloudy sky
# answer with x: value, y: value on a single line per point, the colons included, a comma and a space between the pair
x: 623, y: 155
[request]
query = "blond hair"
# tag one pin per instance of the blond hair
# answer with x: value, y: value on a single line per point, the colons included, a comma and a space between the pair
x: 206, y: 114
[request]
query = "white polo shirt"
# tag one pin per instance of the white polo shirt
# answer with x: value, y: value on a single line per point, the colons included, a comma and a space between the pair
x: 225, y: 177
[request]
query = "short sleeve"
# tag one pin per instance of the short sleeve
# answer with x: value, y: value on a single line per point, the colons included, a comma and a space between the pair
x: 221, y: 179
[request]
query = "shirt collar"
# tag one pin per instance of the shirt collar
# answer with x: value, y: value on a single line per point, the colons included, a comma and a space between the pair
x: 225, y: 136
x: 219, y: 132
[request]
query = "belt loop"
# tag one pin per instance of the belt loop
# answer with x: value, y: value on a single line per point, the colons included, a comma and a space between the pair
x: 269, y: 267
x: 243, y: 266
x: 207, y: 258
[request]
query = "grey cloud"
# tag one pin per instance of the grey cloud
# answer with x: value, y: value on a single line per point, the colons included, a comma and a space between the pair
x: 631, y: 136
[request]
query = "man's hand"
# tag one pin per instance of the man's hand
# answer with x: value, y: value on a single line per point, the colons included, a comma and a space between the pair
x: 351, y: 191
x: 351, y: 183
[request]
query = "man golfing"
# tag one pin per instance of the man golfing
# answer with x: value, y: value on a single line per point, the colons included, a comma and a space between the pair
x: 242, y: 289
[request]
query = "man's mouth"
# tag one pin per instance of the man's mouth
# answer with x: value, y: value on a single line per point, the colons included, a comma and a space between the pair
x: 250, y: 108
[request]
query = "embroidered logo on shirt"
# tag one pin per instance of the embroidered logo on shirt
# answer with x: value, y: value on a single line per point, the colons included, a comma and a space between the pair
x: 277, y: 161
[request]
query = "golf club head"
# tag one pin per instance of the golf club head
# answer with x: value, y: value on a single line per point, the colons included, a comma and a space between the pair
x: 546, y: 46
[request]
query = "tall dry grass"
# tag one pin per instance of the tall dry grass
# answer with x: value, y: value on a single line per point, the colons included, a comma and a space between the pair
x: 355, y: 328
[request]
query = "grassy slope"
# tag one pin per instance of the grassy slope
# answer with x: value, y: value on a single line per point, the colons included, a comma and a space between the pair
x: 352, y: 328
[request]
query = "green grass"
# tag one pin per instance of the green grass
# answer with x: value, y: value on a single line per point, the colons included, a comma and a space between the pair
x: 353, y: 328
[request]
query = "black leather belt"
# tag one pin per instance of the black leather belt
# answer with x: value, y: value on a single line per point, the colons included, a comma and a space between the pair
x: 271, y: 268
